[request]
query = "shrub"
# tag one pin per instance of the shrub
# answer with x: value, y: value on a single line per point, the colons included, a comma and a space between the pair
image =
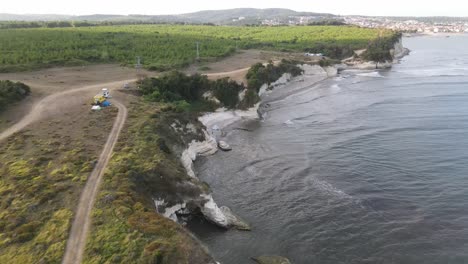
x: 174, y: 86
x: 185, y: 91
x: 11, y: 92
x: 378, y: 50
x: 227, y: 92
x: 260, y: 74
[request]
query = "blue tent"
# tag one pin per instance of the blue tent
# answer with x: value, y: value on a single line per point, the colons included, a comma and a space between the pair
x: 105, y: 104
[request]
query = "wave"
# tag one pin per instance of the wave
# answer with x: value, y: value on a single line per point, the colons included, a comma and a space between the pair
x: 450, y: 72
x: 289, y: 123
x: 371, y: 74
x: 330, y: 189
x: 335, y: 88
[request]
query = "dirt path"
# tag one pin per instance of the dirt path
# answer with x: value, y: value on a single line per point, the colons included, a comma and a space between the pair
x: 236, y: 75
x: 38, y: 109
x: 77, y: 240
x: 53, y: 103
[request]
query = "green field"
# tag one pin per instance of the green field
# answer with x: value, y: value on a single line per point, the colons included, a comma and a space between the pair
x: 167, y: 46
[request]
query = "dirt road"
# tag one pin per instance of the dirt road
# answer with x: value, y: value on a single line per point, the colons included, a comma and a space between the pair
x: 77, y: 240
x: 39, y: 108
x: 236, y: 75
x: 54, y: 103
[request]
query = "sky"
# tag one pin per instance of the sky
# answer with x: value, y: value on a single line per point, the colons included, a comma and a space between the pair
x: 156, y: 7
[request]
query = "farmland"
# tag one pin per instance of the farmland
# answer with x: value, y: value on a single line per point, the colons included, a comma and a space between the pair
x: 164, y: 47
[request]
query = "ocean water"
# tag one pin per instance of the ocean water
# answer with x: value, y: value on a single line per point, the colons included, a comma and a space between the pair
x: 367, y: 167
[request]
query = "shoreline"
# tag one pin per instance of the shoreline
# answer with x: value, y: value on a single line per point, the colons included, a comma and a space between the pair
x: 313, y: 75
x: 214, y: 125
x: 222, y: 119
x: 215, y: 122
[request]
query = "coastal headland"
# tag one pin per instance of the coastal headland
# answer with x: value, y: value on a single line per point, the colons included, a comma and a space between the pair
x: 51, y: 142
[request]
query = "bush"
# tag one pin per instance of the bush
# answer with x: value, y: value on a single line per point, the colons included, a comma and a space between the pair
x: 227, y: 92
x: 186, y: 91
x: 260, y: 74
x: 378, y: 50
x: 174, y: 86
x: 11, y: 92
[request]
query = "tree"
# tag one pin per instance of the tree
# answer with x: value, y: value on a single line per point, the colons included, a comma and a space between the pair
x: 379, y: 51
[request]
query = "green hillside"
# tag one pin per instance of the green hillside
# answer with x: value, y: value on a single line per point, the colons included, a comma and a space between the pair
x: 165, y: 47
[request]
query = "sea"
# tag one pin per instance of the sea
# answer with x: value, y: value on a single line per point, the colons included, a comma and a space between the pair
x: 365, y: 167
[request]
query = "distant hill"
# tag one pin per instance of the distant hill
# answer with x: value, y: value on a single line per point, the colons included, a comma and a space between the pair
x: 231, y: 16
x: 237, y: 16
x: 33, y: 17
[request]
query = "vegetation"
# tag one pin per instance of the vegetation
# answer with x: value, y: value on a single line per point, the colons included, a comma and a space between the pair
x: 41, y: 178
x: 70, y: 24
x: 218, y: 17
x: 378, y: 50
x: 164, y: 47
x: 260, y: 74
x: 183, y: 91
x: 42, y: 175
x: 126, y: 228
x: 11, y: 92
x: 176, y: 87
x: 328, y: 22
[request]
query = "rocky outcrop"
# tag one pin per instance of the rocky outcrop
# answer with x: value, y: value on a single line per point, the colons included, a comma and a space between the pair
x: 234, y: 220
x: 197, y: 148
x: 223, y: 216
x: 370, y: 65
x: 271, y: 260
x: 222, y: 117
x: 285, y: 78
x: 398, y: 52
x: 331, y: 71
x: 356, y: 62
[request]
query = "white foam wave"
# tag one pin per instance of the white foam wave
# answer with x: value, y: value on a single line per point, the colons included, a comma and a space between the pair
x: 371, y: 74
x: 437, y: 72
x: 330, y: 189
x: 335, y: 88
x: 288, y: 123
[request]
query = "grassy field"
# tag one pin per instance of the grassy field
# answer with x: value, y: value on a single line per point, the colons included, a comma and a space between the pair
x: 43, y: 170
x: 41, y: 176
x: 165, y: 47
x: 126, y: 228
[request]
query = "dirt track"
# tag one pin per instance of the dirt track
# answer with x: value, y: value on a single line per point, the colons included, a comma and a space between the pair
x: 53, y: 104
x: 38, y: 109
x: 236, y: 75
x: 77, y: 239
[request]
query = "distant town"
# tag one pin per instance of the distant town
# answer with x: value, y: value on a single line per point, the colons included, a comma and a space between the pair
x: 410, y: 24
x: 414, y: 25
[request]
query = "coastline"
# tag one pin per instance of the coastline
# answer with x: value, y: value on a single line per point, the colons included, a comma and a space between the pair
x: 214, y: 125
x: 216, y: 122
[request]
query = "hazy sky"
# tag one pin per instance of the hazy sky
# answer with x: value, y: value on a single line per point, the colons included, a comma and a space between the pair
x: 153, y: 7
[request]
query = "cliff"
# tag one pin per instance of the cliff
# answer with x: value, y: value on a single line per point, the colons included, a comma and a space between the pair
x: 396, y: 52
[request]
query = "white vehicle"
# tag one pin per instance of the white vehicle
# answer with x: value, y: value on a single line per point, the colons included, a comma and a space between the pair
x: 105, y: 93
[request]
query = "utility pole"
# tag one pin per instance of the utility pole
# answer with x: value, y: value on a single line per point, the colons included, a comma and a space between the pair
x: 138, y: 67
x: 138, y: 64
